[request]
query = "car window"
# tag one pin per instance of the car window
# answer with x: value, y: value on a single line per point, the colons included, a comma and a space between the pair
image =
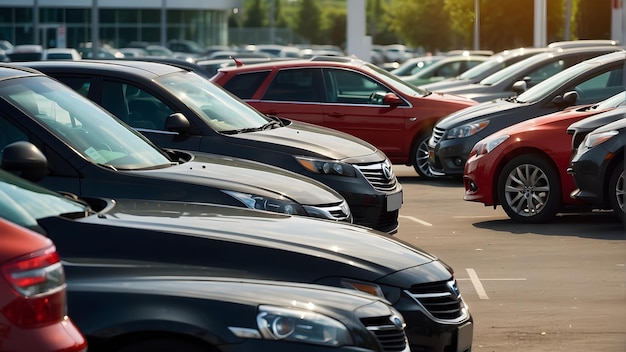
x: 84, y: 126
x: 245, y: 84
x: 600, y: 86
x: 296, y: 85
x: 350, y: 87
x: 142, y: 109
x: 546, y: 71
x: 9, y: 133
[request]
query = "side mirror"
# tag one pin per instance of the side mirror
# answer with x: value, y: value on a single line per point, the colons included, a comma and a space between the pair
x: 26, y: 159
x: 177, y: 122
x: 392, y: 99
x: 565, y: 100
x: 519, y: 87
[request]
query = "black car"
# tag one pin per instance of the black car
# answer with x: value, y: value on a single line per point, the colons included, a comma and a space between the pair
x: 91, y: 153
x: 580, y: 129
x: 152, y: 309
x: 527, y: 73
x: 250, y: 244
x: 176, y: 108
x: 598, y: 168
x: 588, y: 82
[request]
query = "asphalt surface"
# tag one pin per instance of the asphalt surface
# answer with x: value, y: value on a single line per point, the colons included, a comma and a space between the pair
x: 559, y: 286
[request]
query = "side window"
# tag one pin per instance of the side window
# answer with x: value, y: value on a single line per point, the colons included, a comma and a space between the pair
x: 244, y: 85
x: 546, y: 71
x: 295, y: 85
x: 9, y: 133
x: 79, y: 84
x: 344, y: 86
x: 447, y: 70
x: 600, y: 86
x: 144, y: 109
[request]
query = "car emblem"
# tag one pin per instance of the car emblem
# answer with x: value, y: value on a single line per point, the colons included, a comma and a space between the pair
x: 396, y: 321
x: 453, y: 289
x: 387, y: 172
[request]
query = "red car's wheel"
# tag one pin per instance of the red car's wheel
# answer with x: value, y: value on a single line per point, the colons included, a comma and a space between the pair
x: 529, y: 189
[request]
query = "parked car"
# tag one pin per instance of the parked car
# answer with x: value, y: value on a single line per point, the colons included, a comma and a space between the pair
x: 415, y: 64
x: 347, y: 95
x: 484, y: 69
x: 25, y: 52
x: 212, y: 120
x: 451, y: 66
x: 123, y: 310
x: 33, y: 305
x: 61, y: 54
x: 579, y: 130
x: 92, y: 153
x: 248, y: 244
x: 523, y: 168
x: 586, y: 83
x: 598, y: 168
x: 515, y: 79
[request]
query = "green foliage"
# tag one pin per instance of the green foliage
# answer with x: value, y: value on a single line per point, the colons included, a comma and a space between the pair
x: 255, y: 14
x: 309, y: 21
x: 420, y: 23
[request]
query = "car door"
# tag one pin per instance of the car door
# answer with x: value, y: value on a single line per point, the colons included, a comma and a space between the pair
x: 294, y: 93
x: 348, y: 108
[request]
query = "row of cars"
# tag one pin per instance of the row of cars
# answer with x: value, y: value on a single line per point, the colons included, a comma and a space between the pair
x: 149, y: 262
x: 436, y: 131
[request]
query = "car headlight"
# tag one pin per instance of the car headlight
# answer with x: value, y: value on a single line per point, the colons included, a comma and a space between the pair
x: 253, y: 201
x: 364, y: 286
x: 326, y: 167
x: 467, y: 130
x: 276, y: 323
x: 487, y: 146
x: 594, y: 139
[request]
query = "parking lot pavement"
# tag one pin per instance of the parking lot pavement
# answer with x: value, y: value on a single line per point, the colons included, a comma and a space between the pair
x: 559, y: 286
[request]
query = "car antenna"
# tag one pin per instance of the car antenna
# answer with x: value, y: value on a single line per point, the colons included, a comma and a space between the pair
x: 237, y: 62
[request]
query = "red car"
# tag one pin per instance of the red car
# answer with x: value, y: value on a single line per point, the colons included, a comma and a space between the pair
x: 524, y: 167
x: 348, y: 95
x: 32, y: 294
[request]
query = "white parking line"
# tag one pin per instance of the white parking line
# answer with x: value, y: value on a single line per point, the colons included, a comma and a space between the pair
x: 416, y: 220
x: 478, y: 286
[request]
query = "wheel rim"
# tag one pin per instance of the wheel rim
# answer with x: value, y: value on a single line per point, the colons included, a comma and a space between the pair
x: 619, y: 191
x: 421, y: 159
x: 527, y: 190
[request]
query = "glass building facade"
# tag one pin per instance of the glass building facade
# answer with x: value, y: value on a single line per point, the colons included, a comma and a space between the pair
x: 119, y: 22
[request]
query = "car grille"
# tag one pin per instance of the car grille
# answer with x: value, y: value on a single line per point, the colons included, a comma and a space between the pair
x: 390, y: 337
x: 437, y: 134
x: 339, y: 212
x: 376, y: 177
x: 442, y: 300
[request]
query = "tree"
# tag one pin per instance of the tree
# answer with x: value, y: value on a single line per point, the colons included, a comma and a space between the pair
x: 308, y: 25
x: 420, y: 23
x: 256, y: 14
x: 335, y: 24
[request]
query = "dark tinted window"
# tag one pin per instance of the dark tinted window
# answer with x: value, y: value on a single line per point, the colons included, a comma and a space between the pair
x: 245, y: 84
x: 296, y: 85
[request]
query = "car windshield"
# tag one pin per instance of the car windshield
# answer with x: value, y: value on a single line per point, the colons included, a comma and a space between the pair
x: 544, y: 88
x: 219, y: 108
x: 24, y: 203
x: 514, y: 69
x: 84, y: 126
x: 396, y: 82
x: 479, y: 69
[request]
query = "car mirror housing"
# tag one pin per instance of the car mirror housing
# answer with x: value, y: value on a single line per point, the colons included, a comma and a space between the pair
x: 565, y: 100
x: 519, y: 87
x: 177, y: 122
x: 25, y: 158
x: 392, y: 99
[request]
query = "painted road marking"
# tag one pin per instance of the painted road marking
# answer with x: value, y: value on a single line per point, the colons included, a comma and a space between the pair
x: 478, y: 286
x: 416, y: 220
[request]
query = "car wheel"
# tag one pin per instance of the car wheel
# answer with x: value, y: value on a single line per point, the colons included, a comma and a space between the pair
x: 420, y: 158
x: 529, y: 189
x: 162, y: 345
x: 616, y: 191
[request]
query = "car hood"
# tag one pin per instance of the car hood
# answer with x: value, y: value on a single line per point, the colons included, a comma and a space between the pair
x: 593, y: 122
x: 450, y: 98
x: 479, y: 111
x: 312, y: 140
x: 445, y: 84
x: 254, y: 244
x: 247, y: 176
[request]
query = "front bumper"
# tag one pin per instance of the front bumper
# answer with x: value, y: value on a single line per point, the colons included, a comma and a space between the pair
x: 448, y: 156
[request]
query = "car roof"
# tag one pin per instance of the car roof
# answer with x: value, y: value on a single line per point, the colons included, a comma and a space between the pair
x: 8, y: 71
x: 130, y: 67
x: 316, y: 61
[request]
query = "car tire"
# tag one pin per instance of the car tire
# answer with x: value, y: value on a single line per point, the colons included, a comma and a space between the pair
x: 529, y: 189
x: 616, y: 195
x: 420, y: 158
x: 162, y: 344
